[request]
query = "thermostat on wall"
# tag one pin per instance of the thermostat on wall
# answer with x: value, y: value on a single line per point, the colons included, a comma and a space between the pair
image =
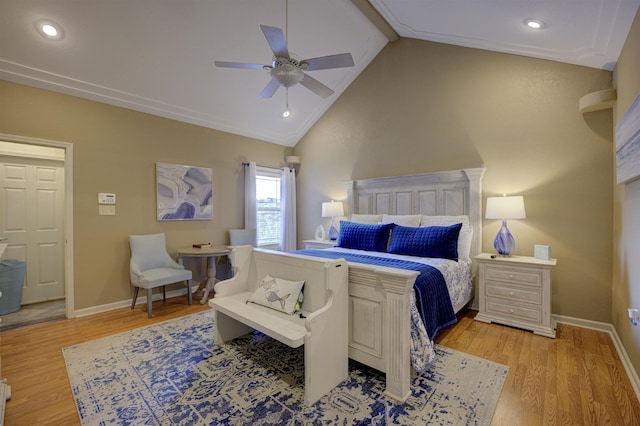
x: 106, y: 198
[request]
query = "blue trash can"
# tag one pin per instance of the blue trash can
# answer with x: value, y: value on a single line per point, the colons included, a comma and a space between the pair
x: 11, y: 283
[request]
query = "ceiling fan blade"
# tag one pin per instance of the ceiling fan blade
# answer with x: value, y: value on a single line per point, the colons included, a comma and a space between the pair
x: 316, y: 87
x: 341, y: 60
x: 224, y: 64
x: 270, y: 89
x: 276, y: 40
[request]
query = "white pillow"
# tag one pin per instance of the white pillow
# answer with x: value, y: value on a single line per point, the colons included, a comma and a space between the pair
x: 444, y: 220
x: 371, y: 219
x: 464, y: 242
x: 277, y: 293
x: 402, y: 219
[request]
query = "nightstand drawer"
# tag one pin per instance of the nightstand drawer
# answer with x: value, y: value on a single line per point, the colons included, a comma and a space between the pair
x: 530, y: 315
x: 516, y: 276
x: 494, y: 289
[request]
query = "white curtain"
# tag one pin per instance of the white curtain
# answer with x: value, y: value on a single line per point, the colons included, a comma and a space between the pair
x: 250, y: 221
x: 288, y: 239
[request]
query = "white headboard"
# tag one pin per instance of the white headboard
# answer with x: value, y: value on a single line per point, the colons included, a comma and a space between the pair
x: 448, y: 193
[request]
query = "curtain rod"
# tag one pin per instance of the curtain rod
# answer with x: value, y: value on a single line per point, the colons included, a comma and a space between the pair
x: 262, y: 165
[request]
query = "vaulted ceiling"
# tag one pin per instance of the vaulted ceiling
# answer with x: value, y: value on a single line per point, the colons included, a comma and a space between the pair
x: 157, y: 56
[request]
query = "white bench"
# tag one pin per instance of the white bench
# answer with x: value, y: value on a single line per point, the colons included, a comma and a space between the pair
x: 323, y: 327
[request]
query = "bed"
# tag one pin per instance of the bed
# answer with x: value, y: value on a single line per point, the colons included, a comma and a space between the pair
x: 384, y: 331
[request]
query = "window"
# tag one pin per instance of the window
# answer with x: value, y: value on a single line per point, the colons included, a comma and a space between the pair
x: 268, y: 206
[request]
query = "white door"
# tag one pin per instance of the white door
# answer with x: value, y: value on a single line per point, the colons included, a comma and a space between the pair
x: 32, y: 218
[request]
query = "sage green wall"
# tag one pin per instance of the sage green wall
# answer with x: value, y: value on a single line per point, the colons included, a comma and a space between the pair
x: 115, y: 150
x: 422, y: 106
x: 626, y: 272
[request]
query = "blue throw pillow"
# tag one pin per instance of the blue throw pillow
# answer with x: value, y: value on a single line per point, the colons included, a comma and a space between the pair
x: 360, y: 236
x: 428, y: 241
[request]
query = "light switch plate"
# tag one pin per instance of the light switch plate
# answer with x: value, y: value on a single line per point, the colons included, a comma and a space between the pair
x: 107, y: 210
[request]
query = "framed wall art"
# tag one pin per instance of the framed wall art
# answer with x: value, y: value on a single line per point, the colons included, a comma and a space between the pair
x: 628, y: 144
x: 184, y: 192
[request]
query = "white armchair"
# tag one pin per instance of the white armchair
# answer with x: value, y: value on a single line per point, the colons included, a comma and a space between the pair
x: 151, y: 267
x: 243, y: 237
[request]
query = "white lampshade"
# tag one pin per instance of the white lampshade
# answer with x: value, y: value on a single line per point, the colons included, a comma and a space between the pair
x: 505, y: 207
x: 332, y: 209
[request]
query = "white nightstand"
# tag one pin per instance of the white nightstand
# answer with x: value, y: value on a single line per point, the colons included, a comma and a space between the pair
x: 516, y: 291
x: 322, y: 244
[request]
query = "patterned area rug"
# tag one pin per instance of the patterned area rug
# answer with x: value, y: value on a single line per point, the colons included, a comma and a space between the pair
x: 171, y: 373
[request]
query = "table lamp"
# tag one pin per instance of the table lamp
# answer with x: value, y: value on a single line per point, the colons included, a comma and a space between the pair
x: 332, y: 209
x: 505, y: 208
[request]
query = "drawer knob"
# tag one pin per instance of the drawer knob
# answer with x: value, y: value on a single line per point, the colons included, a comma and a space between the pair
x: 510, y: 276
x: 510, y: 293
x: 511, y: 311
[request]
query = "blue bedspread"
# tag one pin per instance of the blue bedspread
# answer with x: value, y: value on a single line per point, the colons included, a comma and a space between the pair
x: 432, y: 297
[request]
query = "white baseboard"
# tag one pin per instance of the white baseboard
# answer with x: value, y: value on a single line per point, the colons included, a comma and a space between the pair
x: 607, y: 328
x: 124, y: 303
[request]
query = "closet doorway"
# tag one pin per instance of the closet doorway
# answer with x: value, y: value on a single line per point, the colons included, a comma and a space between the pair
x: 35, y: 204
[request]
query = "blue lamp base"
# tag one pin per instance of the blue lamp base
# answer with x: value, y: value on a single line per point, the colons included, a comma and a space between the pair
x: 504, y: 242
x: 332, y: 232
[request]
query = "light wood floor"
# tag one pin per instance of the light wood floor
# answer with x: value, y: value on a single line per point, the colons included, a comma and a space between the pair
x: 576, y: 379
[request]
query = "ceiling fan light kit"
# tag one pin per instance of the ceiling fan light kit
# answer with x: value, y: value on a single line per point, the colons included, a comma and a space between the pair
x: 287, y: 72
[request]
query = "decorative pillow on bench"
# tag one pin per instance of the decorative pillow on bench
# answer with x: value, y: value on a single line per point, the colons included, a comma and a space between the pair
x: 279, y: 294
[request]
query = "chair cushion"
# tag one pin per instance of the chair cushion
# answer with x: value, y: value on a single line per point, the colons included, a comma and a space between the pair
x: 162, y: 276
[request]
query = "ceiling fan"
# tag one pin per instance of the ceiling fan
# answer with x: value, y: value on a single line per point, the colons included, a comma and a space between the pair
x: 287, y: 69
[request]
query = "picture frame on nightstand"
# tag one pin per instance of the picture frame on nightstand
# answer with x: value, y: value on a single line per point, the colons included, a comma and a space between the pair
x: 542, y: 252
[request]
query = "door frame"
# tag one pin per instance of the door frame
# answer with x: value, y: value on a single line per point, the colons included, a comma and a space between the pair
x: 68, y: 211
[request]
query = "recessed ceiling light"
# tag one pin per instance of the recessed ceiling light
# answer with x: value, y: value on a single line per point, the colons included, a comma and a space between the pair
x: 534, y: 24
x: 49, y: 29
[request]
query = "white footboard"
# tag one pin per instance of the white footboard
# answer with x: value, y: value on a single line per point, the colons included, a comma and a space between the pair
x: 379, y: 323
